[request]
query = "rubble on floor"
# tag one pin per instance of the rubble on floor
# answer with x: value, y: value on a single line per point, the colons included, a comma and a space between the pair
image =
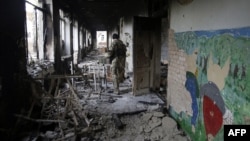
x: 71, y: 114
x: 75, y: 108
x: 126, y: 117
x: 144, y: 126
x: 40, y: 68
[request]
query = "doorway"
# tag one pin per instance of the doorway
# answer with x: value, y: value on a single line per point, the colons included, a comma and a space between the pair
x: 147, y: 54
x: 101, y: 37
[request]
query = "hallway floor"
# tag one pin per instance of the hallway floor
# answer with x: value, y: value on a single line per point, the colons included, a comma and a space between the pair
x: 88, y: 110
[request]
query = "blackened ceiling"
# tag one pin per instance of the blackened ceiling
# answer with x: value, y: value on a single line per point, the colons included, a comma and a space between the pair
x: 100, y: 14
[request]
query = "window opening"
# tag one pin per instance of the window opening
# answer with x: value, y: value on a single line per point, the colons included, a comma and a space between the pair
x: 35, y: 29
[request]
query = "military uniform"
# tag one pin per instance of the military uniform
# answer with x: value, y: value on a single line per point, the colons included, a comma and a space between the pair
x: 118, y: 59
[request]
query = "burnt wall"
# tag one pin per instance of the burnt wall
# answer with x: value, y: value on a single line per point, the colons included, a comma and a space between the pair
x: 13, y: 73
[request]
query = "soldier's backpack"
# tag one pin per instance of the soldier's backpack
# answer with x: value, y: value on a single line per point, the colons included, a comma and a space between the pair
x: 121, y: 51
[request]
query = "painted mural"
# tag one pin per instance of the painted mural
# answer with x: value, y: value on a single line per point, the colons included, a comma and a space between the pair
x: 220, y: 85
x: 192, y: 87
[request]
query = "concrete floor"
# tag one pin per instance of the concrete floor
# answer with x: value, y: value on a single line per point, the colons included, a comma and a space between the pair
x: 144, y: 117
x: 104, y: 101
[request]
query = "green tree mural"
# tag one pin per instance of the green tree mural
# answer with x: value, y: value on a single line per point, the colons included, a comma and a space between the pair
x: 221, y: 45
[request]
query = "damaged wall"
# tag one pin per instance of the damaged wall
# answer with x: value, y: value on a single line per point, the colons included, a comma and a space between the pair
x: 164, y: 41
x: 126, y: 31
x: 13, y: 60
x: 127, y: 38
x: 209, y: 71
x: 49, y: 38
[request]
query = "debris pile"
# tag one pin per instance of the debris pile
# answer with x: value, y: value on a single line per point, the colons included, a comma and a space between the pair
x: 144, y: 126
x: 56, y: 114
x: 64, y: 113
x: 77, y: 108
x: 40, y: 68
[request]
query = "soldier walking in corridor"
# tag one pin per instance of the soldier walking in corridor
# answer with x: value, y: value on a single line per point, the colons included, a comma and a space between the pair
x: 117, y: 59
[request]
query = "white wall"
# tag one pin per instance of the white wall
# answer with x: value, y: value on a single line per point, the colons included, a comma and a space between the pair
x: 127, y: 38
x: 88, y: 38
x: 209, y: 15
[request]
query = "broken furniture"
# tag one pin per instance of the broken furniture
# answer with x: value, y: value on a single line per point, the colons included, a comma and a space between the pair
x: 98, y: 72
x: 61, y: 106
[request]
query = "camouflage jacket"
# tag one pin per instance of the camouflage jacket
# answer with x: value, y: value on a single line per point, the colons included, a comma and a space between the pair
x: 118, y: 49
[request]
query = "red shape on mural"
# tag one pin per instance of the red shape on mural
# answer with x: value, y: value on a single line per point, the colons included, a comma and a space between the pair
x: 212, y: 115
